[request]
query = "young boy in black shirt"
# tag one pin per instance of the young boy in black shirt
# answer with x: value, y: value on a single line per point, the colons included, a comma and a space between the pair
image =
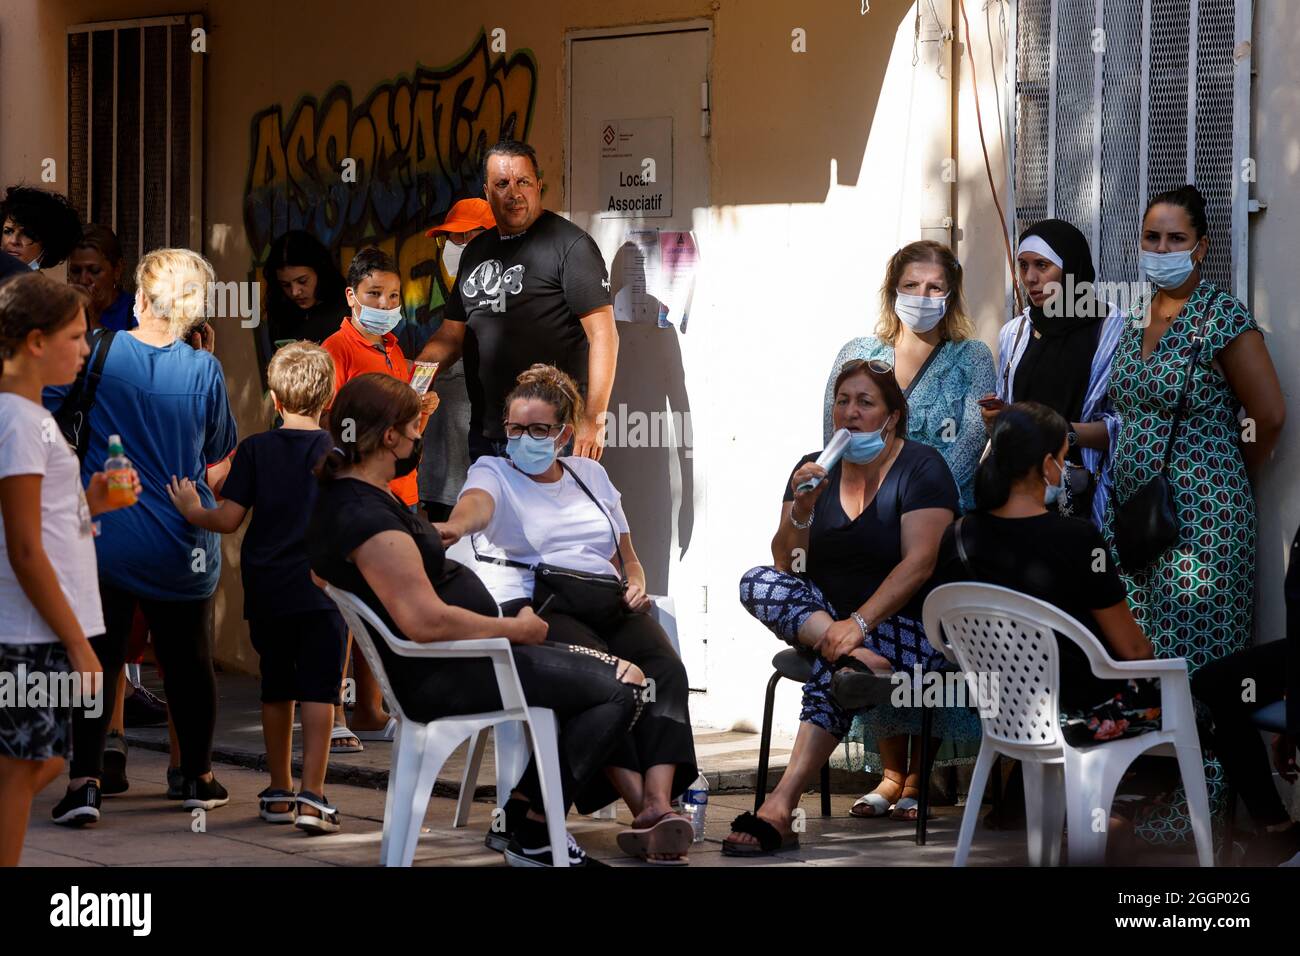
x: 294, y: 627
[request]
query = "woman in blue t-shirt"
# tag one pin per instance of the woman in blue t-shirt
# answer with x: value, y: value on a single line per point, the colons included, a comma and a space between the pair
x: 851, y: 559
x: 167, y: 401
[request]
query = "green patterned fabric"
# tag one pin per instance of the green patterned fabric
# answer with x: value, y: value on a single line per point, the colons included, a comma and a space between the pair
x: 1197, y: 600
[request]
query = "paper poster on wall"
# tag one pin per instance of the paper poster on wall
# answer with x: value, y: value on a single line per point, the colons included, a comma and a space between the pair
x: 637, y: 270
x: 678, y: 259
x: 636, y: 168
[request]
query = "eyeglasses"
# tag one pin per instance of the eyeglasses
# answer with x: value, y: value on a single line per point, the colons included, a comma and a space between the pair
x: 536, y: 430
x: 879, y: 366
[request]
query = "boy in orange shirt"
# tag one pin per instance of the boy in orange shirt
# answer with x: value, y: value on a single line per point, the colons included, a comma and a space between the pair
x: 365, y: 343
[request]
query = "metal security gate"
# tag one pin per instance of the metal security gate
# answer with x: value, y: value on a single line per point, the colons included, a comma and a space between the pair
x: 135, y: 108
x: 1117, y: 100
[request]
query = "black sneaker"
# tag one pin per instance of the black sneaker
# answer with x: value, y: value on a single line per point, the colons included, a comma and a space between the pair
x: 175, y: 783
x: 114, y: 777
x: 498, y: 840
x: 540, y: 856
x: 143, y: 709
x: 204, y: 794
x: 78, y: 806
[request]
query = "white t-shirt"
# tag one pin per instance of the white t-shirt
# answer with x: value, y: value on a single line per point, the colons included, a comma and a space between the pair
x: 31, y: 444
x: 554, y: 523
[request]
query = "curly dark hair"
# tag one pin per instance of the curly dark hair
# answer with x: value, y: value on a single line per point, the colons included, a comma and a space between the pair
x: 48, y: 217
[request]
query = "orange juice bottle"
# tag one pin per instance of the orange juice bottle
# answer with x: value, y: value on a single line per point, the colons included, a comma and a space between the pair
x: 121, y: 490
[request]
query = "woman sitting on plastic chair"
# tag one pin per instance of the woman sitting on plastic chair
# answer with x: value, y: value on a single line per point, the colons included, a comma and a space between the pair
x: 363, y: 540
x: 851, y: 558
x: 534, y: 509
x: 1014, y: 541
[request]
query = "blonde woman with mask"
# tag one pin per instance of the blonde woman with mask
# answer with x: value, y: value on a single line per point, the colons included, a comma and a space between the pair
x: 925, y: 334
x: 166, y: 399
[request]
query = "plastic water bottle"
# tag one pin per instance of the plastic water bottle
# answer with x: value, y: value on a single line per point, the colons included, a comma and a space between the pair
x: 121, y: 490
x: 695, y: 803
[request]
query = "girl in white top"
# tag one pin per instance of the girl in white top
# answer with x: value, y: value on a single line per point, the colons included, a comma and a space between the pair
x: 531, y: 508
x: 49, y: 588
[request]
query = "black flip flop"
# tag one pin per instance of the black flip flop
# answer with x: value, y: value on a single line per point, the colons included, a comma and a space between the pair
x: 769, y: 838
x: 855, y: 686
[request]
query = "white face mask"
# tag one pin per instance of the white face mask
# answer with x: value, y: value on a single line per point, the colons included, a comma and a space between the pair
x: 451, y: 254
x: 920, y: 313
x: 379, y: 321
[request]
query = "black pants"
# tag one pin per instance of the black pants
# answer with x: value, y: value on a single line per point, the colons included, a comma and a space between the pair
x: 663, y: 733
x: 1235, y: 740
x: 594, y: 709
x: 182, y: 641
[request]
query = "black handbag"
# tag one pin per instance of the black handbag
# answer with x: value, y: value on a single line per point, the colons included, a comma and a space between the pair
x: 1147, y: 525
x: 73, y: 416
x: 594, y: 599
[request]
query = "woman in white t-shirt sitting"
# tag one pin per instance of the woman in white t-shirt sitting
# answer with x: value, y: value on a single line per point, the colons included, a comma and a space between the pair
x: 49, y: 585
x: 566, y: 516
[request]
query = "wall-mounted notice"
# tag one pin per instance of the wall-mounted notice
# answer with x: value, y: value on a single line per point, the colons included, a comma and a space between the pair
x: 636, y: 168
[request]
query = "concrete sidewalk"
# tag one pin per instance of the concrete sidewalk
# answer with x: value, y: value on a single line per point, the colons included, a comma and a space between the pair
x: 142, y: 828
x: 729, y: 759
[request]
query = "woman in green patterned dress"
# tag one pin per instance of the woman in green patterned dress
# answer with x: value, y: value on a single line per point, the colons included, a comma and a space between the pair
x: 1197, y: 599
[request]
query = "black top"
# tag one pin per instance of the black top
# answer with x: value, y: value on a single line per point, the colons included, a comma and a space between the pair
x: 315, y: 324
x: 1062, y: 561
x: 350, y: 512
x: 1055, y: 369
x: 522, y: 297
x: 847, y: 559
x: 11, y: 266
x: 272, y: 474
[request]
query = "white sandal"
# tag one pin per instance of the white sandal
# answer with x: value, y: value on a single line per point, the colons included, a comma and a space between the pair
x: 388, y: 732
x: 906, y: 806
x: 341, y: 732
x: 879, y: 806
x: 327, y: 822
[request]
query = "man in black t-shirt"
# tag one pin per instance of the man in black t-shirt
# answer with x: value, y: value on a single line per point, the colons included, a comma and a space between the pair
x: 534, y: 289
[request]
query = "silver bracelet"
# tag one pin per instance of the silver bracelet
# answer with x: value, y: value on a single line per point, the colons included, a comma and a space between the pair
x: 862, y: 624
x: 802, y: 527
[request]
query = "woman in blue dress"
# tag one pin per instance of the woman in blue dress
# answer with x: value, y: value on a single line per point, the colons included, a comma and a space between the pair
x: 926, y: 335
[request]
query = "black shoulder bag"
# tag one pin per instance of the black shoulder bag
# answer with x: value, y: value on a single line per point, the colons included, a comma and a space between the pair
x: 73, y: 416
x: 594, y: 599
x: 1147, y: 525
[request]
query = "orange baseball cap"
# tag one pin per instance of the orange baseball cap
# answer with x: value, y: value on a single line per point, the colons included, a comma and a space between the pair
x: 466, y: 215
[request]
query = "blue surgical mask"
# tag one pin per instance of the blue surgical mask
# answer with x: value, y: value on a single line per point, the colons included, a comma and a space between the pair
x: 379, y: 321
x: 531, y: 455
x: 1055, y: 492
x: 864, y: 447
x: 920, y: 313
x: 1167, y: 270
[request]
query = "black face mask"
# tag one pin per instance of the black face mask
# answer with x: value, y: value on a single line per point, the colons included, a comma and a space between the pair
x: 404, y: 466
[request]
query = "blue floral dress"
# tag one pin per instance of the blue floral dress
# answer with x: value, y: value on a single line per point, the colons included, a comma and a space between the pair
x: 942, y: 413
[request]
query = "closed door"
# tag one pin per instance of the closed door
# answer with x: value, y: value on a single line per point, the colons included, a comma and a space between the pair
x: 633, y: 97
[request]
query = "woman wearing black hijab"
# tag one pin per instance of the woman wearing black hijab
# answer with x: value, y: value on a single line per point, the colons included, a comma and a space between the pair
x: 1058, y: 353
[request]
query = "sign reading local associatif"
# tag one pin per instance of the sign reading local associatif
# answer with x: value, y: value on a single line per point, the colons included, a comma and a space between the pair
x: 636, y: 168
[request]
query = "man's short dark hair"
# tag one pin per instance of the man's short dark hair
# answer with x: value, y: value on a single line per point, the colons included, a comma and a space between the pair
x: 368, y: 260
x: 510, y: 147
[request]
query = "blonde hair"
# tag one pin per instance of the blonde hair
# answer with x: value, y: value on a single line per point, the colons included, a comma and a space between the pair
x: 956, y: 325
x: 550, y: 385
x: 302, y: 376
x: 175, y: 283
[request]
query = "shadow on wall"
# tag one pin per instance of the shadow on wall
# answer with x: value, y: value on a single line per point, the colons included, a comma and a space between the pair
x: 648, y: 436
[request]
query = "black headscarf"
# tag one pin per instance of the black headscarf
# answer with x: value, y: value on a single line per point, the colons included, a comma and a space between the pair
x: 1056, y: 364
x: 1076, y: 260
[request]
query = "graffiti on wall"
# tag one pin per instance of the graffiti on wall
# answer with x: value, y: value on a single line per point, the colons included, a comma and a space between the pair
x: 383, y: 171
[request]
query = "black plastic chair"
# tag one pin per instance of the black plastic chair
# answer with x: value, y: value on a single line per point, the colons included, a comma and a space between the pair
x: 791, y: 665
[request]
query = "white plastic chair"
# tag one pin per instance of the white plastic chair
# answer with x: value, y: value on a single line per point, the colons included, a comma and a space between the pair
x: 420, y: 750
x: 992, y: 629
x: 512, y: 752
